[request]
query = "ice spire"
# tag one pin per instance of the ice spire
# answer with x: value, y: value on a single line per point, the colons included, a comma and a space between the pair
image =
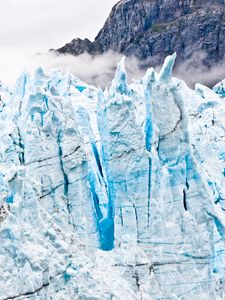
x: 167, y: 69
x: 119, y: 83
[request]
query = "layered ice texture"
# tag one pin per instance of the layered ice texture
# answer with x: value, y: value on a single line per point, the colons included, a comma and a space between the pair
x: 115, y: 194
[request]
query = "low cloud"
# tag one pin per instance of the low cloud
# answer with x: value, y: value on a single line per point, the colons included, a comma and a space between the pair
x: 193, y: 70
x: 100, y: 70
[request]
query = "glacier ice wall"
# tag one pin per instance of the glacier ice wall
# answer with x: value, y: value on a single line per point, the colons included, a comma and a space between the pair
x: 115, y: 194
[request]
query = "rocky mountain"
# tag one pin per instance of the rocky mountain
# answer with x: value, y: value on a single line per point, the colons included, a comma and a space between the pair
x: 152, y: 29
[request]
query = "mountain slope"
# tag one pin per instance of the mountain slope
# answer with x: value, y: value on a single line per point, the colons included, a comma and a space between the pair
x: 151, y: 30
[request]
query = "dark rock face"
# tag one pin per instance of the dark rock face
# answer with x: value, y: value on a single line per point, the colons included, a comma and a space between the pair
x: 78, y: 46
x: 152, y: 29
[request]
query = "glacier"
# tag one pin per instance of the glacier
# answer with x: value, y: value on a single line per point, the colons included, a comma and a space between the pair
x: 114, y: 194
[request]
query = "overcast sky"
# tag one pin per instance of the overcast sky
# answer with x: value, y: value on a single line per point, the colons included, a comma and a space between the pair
x: 28, y: 27
x: 42, y: 24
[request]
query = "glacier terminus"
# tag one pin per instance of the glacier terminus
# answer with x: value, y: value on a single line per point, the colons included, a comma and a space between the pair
x: 115, y: 194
